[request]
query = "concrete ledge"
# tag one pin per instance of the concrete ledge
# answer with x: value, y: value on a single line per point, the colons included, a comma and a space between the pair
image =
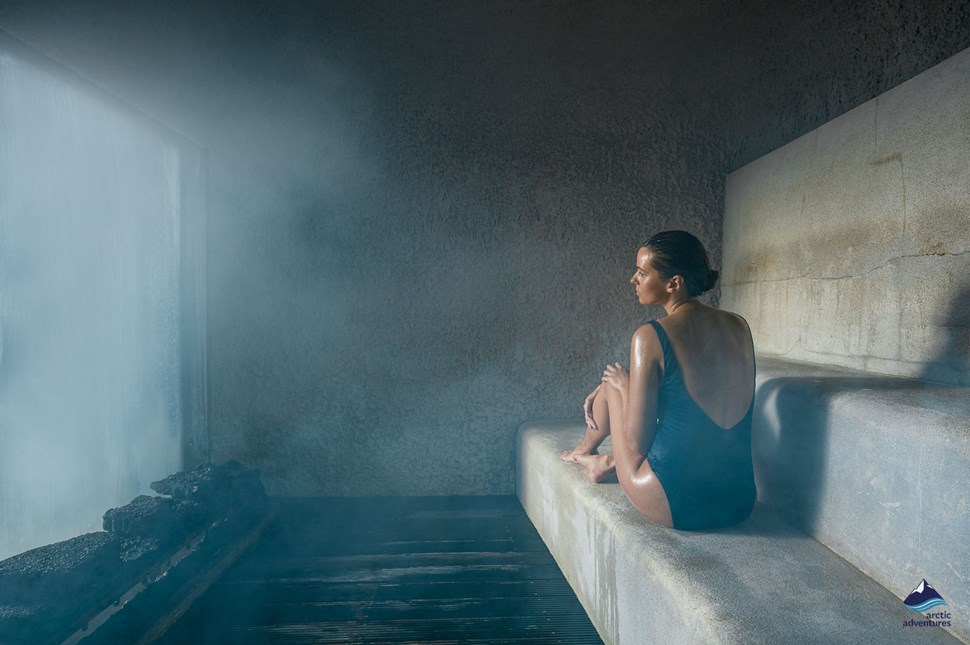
x: 761, y: 582
x: 875, y: 467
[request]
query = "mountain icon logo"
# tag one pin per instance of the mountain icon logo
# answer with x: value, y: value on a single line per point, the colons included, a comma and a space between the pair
x: 923, y: 597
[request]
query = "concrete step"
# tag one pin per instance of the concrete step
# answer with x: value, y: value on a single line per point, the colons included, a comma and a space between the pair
x: 875, y: 467
x: 761, y: 582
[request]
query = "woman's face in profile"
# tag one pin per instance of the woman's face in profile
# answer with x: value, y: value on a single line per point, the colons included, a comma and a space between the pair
x: 651, y: 288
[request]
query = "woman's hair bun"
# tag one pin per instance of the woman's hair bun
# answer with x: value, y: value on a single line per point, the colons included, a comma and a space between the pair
x: 712, y: 277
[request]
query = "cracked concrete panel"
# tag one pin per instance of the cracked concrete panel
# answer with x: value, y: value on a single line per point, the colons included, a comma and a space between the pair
x: 855, y: 235
x: 884, y: 291
x: 932, y: 317
x: 927, y: 126
x: 777, y: 301
x: 841, y: 182
x: 773, y: 184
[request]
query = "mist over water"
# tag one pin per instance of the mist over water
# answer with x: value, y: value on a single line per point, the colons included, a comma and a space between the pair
x: 89, y: 307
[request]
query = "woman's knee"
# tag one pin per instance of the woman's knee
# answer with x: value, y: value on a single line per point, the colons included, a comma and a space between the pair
x: 612, y: 397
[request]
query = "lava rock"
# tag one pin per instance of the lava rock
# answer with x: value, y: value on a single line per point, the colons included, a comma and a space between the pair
x: 193, y: 516
x: 142, y: 516
x: 138, y: 547
x: 14, y: 611
x: 186, y: 484
x: 59, y: 569
x: 219, y: 487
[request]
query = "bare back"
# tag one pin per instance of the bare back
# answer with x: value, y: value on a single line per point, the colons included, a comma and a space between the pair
x: 716, y: 357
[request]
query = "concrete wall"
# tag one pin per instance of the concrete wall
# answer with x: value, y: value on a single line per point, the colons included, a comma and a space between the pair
x: 423, y: 214
x: 849, y: 245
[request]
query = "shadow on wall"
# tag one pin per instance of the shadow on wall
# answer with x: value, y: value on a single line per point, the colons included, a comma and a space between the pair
x: 800, y: 455
x: 952, y: 361
x: 789, y: 441
x: 814, y: 438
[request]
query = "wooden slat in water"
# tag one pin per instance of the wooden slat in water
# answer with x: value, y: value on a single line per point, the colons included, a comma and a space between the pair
x: 392, y: 570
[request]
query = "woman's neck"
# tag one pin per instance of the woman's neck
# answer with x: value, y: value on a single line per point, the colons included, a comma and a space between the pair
x: 674, y: 305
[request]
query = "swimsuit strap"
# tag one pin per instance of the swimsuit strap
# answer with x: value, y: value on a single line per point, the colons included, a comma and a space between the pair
x: 671, y: 368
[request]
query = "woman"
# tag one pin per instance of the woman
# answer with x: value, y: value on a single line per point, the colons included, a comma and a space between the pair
x: 681, y: 418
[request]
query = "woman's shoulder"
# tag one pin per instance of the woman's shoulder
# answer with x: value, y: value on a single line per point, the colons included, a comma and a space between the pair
x: 734, y: 329
x: 739, y: 324
x: 646, y: 331
x: 704, y: 321
x: 647, y: 339
x: 733, y: 318
x: 721, y: 316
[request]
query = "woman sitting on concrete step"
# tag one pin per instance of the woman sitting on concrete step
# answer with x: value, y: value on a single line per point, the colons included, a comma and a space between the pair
x: 681, y: 417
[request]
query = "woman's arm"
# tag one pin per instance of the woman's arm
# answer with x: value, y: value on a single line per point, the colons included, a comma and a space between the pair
x: 639, y: 394
x: 636, y: 395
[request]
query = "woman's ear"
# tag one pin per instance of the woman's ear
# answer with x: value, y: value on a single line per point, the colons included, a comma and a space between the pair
x: 675, y: 284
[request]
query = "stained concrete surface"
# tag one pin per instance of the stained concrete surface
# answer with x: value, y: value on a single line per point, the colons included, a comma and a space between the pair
x: 423, y: 215
x: 849, y: 245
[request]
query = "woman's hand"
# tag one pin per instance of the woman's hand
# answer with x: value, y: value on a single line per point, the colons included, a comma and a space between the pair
x: 588, y: 408
x: 617, y: 376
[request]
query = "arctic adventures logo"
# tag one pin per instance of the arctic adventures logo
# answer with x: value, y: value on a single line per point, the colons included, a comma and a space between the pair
x: 923, y: 598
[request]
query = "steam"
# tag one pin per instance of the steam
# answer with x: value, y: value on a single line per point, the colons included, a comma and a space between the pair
x: 89, y: 305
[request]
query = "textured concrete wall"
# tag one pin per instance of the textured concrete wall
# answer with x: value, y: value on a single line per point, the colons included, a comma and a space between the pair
x: 423, y: 214
x: 437, y: 246
x: 849, y: 245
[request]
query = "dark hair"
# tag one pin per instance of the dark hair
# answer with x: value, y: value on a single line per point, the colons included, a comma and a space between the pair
x: 680, y: 253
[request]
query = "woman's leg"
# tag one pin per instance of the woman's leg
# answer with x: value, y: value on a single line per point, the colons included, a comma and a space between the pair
x: 593, y: 438
x: 607, y: 411
x: 633, y: 471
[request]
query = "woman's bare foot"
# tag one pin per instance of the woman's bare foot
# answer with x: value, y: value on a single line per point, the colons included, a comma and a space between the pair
x: 598, y: 467
x: 580, y: 450
x: 590, y: 442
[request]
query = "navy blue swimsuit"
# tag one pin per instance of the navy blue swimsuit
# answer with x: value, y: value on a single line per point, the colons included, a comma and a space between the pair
x: 704, y: 469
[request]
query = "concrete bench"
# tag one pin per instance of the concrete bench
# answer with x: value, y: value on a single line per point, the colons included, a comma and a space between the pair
x: 831, y: 450
x: 877, y: 468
